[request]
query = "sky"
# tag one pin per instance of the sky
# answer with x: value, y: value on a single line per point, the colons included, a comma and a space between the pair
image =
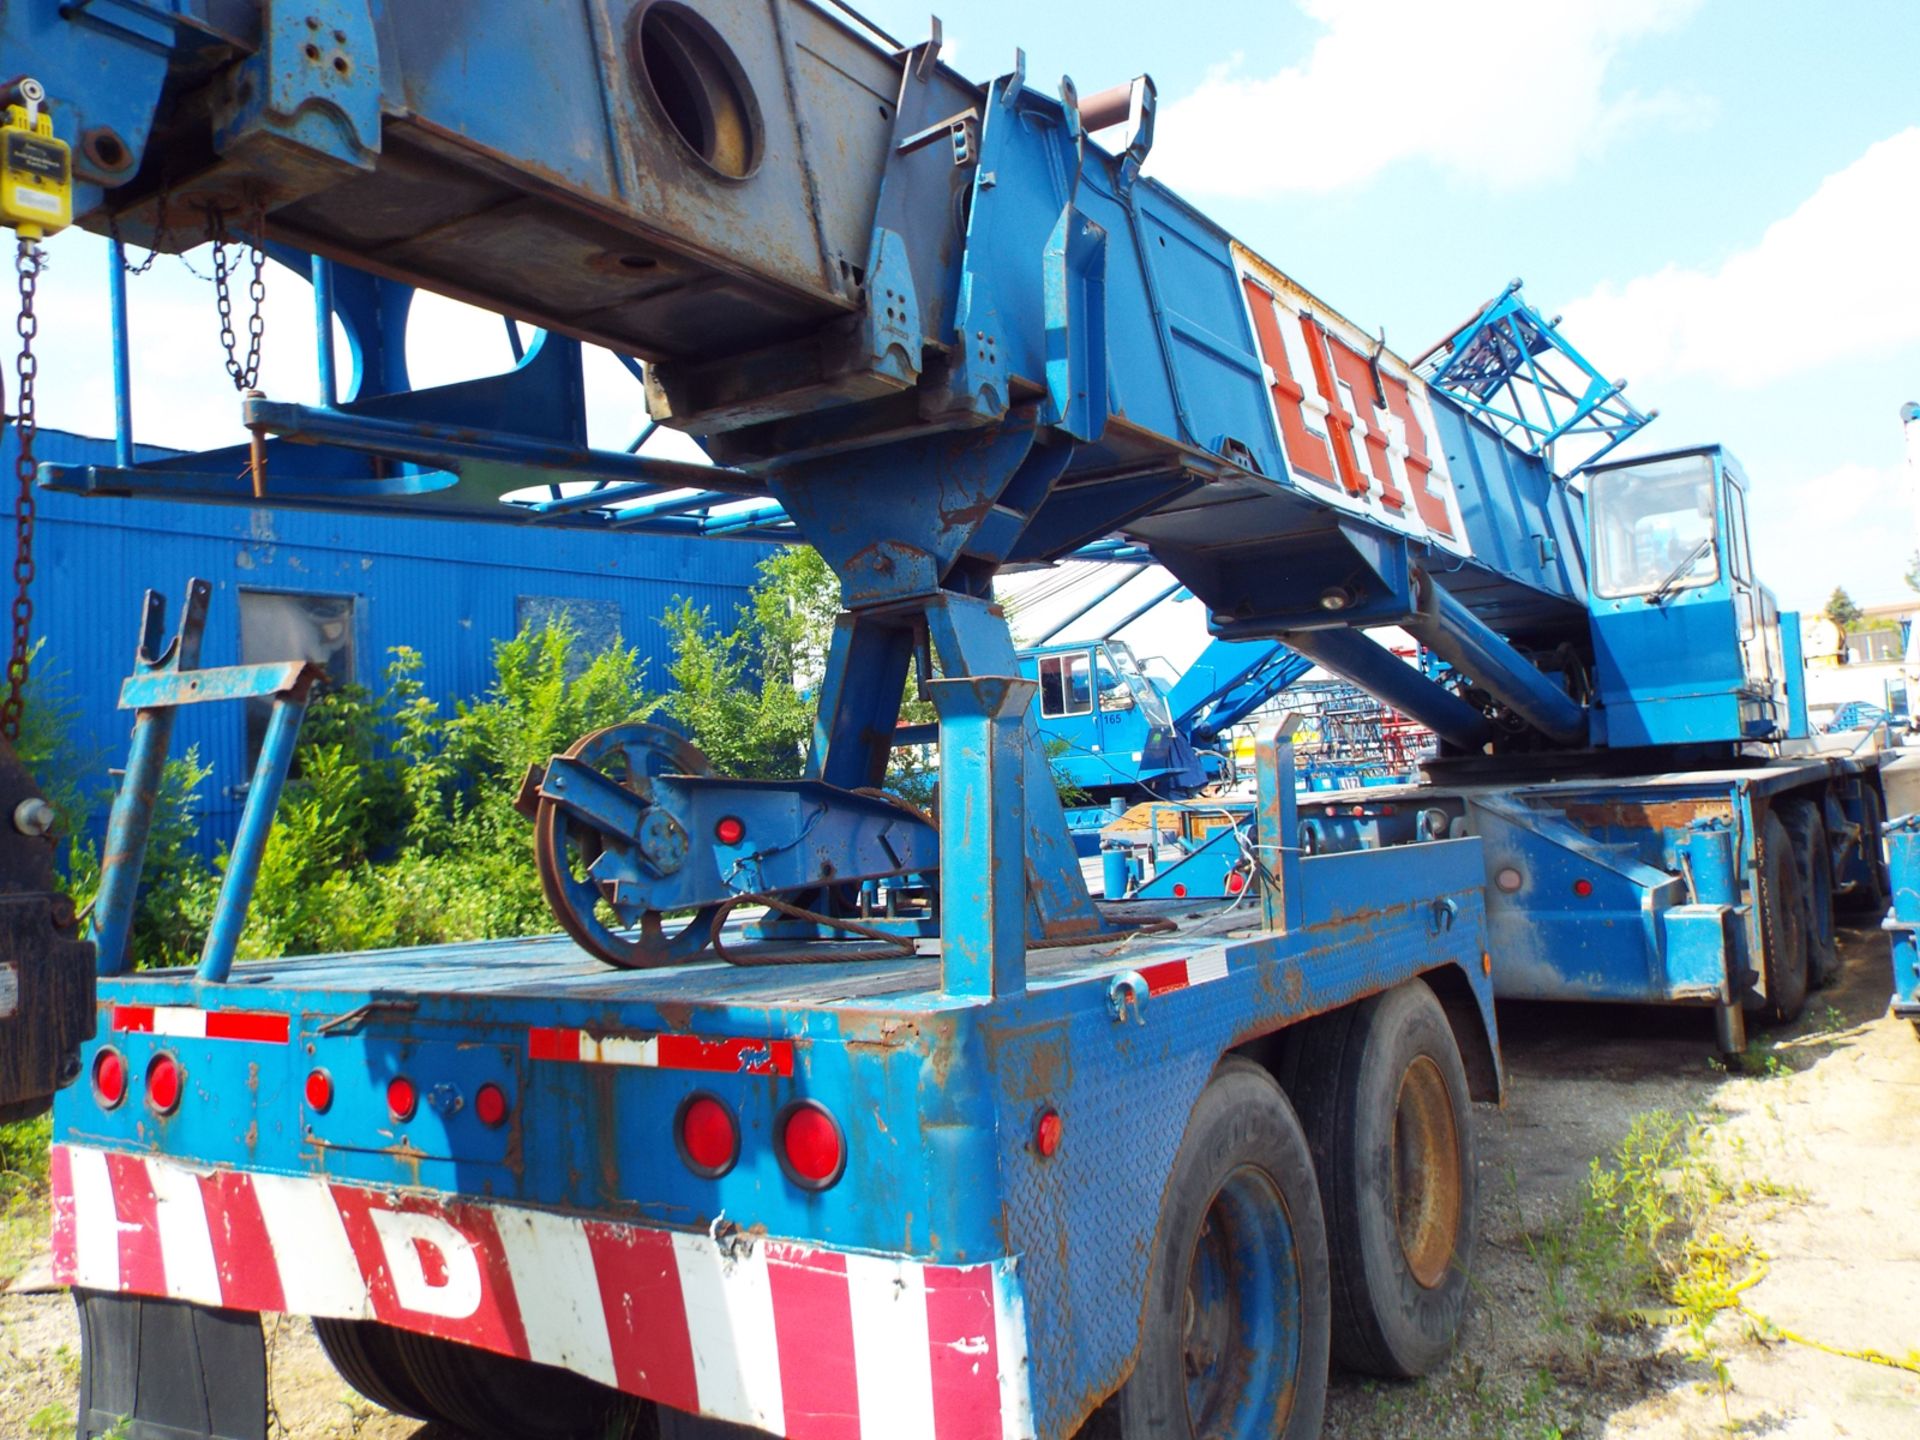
x: 1722, y: 197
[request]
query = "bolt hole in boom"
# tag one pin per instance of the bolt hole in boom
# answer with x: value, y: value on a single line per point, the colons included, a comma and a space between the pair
x: 699, y: 86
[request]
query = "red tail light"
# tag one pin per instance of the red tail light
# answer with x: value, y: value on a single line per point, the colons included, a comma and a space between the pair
x: 490, y: 1105
x: 1583, y: 888
x: 812, y: 1150
x: 402, y: 1098
x: 109, y: 1078
x: 730, y: 830
x: 707, y: 1136
x: 163, y: 1083
x: 319, y: 1091
x: 1046, y: 1135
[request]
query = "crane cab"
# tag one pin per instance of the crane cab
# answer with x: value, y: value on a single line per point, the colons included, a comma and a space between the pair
x: 1688, y: 645
x: 1107, y: 719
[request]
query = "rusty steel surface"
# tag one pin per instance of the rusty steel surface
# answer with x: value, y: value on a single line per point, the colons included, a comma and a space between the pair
x: 1427, y: 1179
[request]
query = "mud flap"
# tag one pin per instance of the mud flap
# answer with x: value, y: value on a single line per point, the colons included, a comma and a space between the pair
x: 167, y: 1370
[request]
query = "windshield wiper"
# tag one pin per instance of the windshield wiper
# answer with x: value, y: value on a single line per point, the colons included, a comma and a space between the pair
x: 1667, y: 586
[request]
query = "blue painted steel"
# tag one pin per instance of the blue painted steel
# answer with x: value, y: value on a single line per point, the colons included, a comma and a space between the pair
x: 1464, y: 641
x: 1277, y: 853
x: 982, y: 835
x: 250, y: 843
x: 1211, y: 868
x: 164, y: 680
x: 1228, y: 682
x: 1902, y: 922
x: 1377, y: 670
x: 1513, y: 369
x: 937, y: 1094
x: 131, y: 820
x: 122, y: 359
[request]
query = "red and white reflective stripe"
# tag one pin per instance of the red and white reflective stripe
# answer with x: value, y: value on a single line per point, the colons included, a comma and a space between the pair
x: 719, y: 1056
x: 189, y: 1022
x: 1179, y: 974
x: 810, y: 1343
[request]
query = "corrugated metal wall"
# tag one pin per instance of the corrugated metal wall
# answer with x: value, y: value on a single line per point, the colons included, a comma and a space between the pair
x: 449, y: 589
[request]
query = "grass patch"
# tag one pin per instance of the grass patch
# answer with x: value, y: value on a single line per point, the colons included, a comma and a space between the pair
x: 1644, y: 1244
x: 23, y: 1192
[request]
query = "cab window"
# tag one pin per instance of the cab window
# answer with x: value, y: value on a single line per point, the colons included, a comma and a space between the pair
x: 1653, y: 527
x: 1740, y: 557
x: 1066, y: 685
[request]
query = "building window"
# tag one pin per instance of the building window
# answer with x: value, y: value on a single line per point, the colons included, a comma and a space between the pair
x: 595, y: 624
x: 1066, y: 685
x: 279, y: 625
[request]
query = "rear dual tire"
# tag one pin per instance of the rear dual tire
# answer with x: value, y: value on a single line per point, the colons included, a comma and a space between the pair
x: 488, y: 1396
x: 1782, y: 897
x: 1235, y: 1329
x: 1383, y: 1093
x: 1335, y: 1225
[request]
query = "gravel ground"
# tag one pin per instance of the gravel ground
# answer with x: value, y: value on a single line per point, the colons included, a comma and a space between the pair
x: 1833, y: 1129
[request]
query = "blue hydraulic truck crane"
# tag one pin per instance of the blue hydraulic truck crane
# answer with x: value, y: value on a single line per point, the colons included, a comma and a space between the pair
x: 730, y: 1154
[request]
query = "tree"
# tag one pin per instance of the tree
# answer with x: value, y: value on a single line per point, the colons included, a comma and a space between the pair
x: 1841, y: 609
x: 747, y: 695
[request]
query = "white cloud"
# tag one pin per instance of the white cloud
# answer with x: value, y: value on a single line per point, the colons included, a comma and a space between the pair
x: 1503, y: 93
x: 1834, y: 280
x: 1853, y: 525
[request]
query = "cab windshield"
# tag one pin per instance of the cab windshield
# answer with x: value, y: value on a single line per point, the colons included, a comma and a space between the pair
x: 1137, y: 687
x: 1654, y: 527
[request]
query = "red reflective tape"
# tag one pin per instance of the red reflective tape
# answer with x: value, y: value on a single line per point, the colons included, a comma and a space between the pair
x: 143, y: 1269
x: 65, y: 1236
x: 646, y: 1313
x: 440, y: 1271
x: 242, y: 1249
x: 546, y: 1043
x: 263, y: 1026
x: 961, y: 1347
x: 725, y: 1057
x: 1304, y: 448
x: 1167, y: 975
x: 813, y: 1324
x: 133, y: 1019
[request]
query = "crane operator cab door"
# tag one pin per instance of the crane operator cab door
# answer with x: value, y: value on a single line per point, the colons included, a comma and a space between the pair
x: 1687, y: 645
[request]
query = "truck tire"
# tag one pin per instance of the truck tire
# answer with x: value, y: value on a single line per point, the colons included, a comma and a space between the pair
x: 1809, y: 835
x: 1868, y: 898
x: 369, y: 1360
x: 483, y: 1395
x: 1234, y: 1329
x: 1783, y: 927
x: 1383, y: 1094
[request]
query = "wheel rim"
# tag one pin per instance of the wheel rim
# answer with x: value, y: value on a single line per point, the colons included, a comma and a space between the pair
x: 635, y: 939
x: 1426, y: 1172
x: 1241, y: 1329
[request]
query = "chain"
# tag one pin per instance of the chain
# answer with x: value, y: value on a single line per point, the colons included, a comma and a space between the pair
x: 26, y: 369
x: 246, y: 376
x: 159, y: 239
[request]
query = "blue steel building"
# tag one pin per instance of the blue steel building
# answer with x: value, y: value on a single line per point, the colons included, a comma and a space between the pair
x: 338, y: 589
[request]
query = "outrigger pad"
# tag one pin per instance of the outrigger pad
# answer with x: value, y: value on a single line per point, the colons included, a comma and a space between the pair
x: 169, y: 1370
